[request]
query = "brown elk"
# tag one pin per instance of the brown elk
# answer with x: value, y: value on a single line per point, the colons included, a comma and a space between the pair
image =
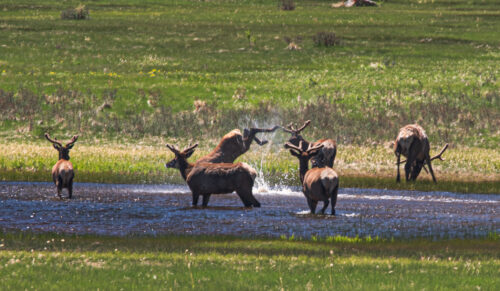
x: 234, y: 144
x: 412, y: 142
x: 205, y: 179
x: 62, y: 171
x: 318, y: 184
x: 326, y: 157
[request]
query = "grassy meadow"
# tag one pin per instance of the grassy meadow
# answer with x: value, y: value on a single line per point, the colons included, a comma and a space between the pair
x: 139, y: 73
x: 50, y: 261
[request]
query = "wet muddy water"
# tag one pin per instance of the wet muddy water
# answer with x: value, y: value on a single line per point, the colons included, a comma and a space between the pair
x: 165, y: 209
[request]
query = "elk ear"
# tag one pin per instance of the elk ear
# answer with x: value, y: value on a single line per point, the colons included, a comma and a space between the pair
x: 56, y: 146
x: 189, y: 153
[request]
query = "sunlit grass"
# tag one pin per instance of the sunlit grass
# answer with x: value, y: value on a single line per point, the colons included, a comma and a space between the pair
x: 469, y: 170
x: 184, y: 262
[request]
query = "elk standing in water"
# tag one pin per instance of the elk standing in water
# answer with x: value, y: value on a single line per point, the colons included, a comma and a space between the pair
x: 234, y: 144
x: 318, y: 184
x: 214, y: 178
x: 326, y: 157
x: 62, y: 172
x: 412, y: 142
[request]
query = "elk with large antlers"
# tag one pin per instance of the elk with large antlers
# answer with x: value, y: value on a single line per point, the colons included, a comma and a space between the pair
x: 234, y: 144
x: 205, y: 179
x: 318, y: 184
x: 326, y: 157
x: 412, y: 142
x: 62, y: 172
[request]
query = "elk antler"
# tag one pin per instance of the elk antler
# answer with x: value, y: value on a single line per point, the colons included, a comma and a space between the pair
x: 173, y: 149
x: 293, y: 147
x: 189, y: 148
x: 317, y: 147
x: 438, y: 156
x: 54, y: 141
x: 290, y: 128
x: 72, y: 141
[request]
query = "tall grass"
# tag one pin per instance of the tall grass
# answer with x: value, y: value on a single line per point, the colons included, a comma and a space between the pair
x: 118, y: 74
x: 469, y: 170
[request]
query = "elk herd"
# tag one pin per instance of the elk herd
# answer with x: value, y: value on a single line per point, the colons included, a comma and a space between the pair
x: 216, y: 173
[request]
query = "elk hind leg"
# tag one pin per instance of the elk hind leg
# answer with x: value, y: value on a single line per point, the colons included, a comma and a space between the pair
x: 59, y: 185
x: 70, y: 189
x: 206, y: 197
x: 333, y: 197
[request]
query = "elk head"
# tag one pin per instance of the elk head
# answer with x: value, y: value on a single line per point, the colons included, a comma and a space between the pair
x: 296, y: 138
x: 181, y: 157
x: 303, y: 155
x: 63, y: 150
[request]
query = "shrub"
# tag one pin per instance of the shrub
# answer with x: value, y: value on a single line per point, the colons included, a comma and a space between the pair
x: 80, y: 12
x: 286, y: 5
x: 325, y: 39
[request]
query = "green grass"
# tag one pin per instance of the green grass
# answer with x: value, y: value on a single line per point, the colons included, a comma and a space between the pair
x: 432, y: 62
x: 184, y: 262
x: 467, y: 170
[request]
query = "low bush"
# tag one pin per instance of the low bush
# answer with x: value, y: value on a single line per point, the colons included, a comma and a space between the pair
x: 80, y: 12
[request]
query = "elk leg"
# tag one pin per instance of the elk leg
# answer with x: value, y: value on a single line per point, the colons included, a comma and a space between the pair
x: 334, y: 198
x: 195, y: 199
x: 416, y: 170
x: 398, y: 178
x: 428, y: 159
x: 70, y: 189
x: 260, y: 142
x: 206, y: 197
x: 313, y: 206
x: 245, y: 197
x: 325, y: 206
x: 59, y: 187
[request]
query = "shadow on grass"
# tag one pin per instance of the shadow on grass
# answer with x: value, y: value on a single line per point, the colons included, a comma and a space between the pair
x: 227, y: 245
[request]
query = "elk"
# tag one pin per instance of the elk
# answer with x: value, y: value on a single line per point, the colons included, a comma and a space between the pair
x: 214, y: 178
x: 318, y: 184
x: 234, y: 144
x: 326, y: 157
x: 62, y: 171
x: 412, y: 142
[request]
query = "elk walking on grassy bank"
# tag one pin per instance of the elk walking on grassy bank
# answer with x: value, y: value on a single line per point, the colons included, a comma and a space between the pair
x: 205, y: 179
x: 234, y: 144
x: 62, y: 171
x: 326, y: 156
x: 412, y: 142
x: 318, y: 184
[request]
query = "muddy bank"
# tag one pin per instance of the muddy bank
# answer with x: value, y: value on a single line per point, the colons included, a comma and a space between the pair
x: 165, y: 209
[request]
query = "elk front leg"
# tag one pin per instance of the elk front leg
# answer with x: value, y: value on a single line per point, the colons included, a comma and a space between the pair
x: 428, y: 160
x: 416, y: 170
x: 195, y: 199
x: 249, y: 135
x: 313, y: 206
x: 325, y: 206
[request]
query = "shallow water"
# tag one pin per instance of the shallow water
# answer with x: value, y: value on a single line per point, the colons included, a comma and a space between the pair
x: 161, y: 209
